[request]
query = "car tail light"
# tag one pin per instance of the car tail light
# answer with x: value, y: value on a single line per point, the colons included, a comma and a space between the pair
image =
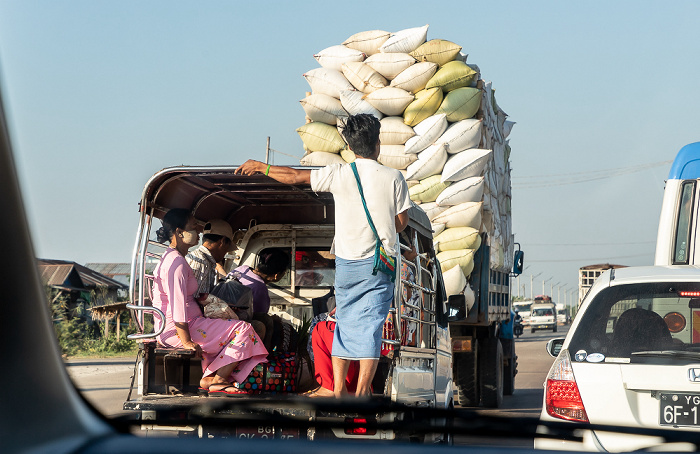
x: 359, y: 427
x: 690, y: 294
x: 675, y: 322
x: 563, y: 399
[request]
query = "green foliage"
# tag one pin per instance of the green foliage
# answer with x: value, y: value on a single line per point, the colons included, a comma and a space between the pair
x: 79, y: 335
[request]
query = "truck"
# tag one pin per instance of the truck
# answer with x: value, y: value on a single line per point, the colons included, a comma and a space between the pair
x: 677, y: 240
x: 587, y: 276
x: 543, y: 314
x: 267, y: 214
x: 523, y: 308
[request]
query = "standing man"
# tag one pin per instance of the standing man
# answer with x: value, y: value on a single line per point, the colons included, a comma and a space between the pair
x: 217, y: 240
x: 362, y: 299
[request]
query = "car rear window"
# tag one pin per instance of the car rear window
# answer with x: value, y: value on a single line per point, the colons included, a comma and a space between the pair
x: 635, y: 318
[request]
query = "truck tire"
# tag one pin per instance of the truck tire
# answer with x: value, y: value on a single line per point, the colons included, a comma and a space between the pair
x: 491, y: 372
x: 510, y: 367
x: 464, y: 373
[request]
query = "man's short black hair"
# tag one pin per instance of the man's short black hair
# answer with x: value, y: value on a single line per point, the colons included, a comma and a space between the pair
x: 361, y: 132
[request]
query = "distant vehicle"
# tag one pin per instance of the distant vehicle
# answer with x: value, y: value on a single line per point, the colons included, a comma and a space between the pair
x: 631, y: 358
x: 676, y: 243
x: 523, y: 308
x: 562, y: 314
x: 543, y: 315
x: 587, y: 276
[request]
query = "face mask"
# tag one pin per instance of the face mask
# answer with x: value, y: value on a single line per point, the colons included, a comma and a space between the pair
x: 190, y: 237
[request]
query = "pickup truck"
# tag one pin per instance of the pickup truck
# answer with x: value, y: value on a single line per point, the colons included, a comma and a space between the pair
x: 263, y: 214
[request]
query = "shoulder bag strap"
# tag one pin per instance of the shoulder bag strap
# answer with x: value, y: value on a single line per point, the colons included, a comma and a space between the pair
x: 364, y: 204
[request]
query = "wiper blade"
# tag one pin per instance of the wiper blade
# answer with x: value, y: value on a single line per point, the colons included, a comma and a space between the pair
x: 667, y: 354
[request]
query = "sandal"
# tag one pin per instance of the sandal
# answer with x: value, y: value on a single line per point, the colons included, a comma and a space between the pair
x: 227, y: 389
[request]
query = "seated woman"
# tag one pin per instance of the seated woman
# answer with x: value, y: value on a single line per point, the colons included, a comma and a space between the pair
x: 230, y: 349
x: 272, y: 264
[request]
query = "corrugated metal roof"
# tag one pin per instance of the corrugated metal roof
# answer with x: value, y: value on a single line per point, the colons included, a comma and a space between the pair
x: 110, y: 269
x: 57, y: 272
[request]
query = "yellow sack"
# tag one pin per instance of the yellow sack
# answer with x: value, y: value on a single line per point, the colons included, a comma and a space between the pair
x: 464, y: 258
x: 425, y: 105
x: 460, y: 104
x: 438, y: 51
x: 458, y: 238
x: 321, y: 137
x: 452, y: 75
x: 427, y: 190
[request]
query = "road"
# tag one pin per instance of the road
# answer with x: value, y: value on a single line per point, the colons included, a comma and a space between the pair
x: 105, y: 382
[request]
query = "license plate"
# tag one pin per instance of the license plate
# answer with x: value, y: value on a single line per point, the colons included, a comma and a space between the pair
x: 679, y: 410
x: 262, y: 432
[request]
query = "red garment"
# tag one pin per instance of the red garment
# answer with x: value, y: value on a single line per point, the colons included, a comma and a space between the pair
x: 322, y: 343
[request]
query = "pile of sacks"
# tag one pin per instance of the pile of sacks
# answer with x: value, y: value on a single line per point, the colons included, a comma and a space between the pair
x: 440, y: 125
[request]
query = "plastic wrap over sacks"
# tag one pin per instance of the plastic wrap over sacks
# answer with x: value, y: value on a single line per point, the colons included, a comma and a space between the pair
x: 429, y: 163
x: 333, y: 57
x: 414, y: 78
x: 394, y: 156
x: 458, y: 238
x: 425, y: 105
x: 353, y: 103
x: 462, y: 135
x: 452, y: 75
x: 321, y: 159
x: 463, y: 258
x: 437, y: 51
x: 367, y: 42
x: 466, y: 164
x: 466, y: 214
x: 390, y: 65
x: 455, y: 281
x: 363, y: 77
x: 468, y: 190
x: 406, y: 40
x: 327, y: 81
x: 321, y: 137
x: 427, y: 131
x: 394, y: 131
x: 427, y: 190
x: 390, y: 101
x: 323, y: 108
x: 461, y: 103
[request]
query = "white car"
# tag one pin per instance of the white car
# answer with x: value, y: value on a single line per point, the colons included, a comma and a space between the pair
x: 631, y: 358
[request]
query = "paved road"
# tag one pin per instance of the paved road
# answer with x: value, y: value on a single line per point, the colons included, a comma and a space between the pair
x: 105, y: 382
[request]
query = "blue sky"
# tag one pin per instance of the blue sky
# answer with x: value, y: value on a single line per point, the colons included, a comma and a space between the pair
x: 101, y: 95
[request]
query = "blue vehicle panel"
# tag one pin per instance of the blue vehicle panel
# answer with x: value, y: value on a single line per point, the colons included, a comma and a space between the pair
x: 686, y: 166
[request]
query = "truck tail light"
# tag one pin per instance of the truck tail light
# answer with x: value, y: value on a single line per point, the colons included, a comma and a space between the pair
x: 563, y: 399
x: 675, y: 322
x: 358, y: 426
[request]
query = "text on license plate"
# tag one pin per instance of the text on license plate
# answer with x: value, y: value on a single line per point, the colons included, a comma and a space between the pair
x: 679, y: 410
x: 267, y: 432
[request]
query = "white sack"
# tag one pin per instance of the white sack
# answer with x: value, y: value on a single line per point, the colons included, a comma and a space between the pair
x: 466, y: 214
x: 437, y: 228
x: 405, y: 41
x: 469, y: 190
x: 367, y: 42
x: 462, y: 135
x: 394, y: 131
x: 429, y: 163
x: 390, y: 65
x: 363, y: 77
x: 414, y: 78
x: 427, y: 132
x: 323, y: 108
x: 333, y: 57
x: 466, y: 164
x: 390, y: 100
x: 321, y: 159
x: 394, y: 156
x: 327, y: 81
x: 454, y: 280
x: 354, y: 104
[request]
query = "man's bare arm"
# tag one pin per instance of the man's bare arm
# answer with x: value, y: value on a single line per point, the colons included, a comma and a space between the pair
x: 282, y: 174
x: 401, y: 221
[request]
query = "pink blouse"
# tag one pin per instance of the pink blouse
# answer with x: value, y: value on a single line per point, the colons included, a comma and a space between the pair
x: 174, y: 287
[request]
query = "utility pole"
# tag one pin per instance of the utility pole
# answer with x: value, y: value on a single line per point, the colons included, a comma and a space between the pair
x: 543, y: 282
x: 532, y: 277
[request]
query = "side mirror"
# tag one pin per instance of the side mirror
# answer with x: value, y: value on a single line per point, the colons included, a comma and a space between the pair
x: 554, y: 346
x: 518, y: 261
x: 456, y: 307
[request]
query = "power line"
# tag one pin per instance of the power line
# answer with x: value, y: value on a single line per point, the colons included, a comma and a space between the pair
x: 525, y: 244
x: 593, y: 260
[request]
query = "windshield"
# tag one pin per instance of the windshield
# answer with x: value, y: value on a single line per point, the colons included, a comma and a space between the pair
x: 628, y: 319
x: 541, y: 312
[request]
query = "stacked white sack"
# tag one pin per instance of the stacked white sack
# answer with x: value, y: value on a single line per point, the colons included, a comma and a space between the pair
x: 440, y: 125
